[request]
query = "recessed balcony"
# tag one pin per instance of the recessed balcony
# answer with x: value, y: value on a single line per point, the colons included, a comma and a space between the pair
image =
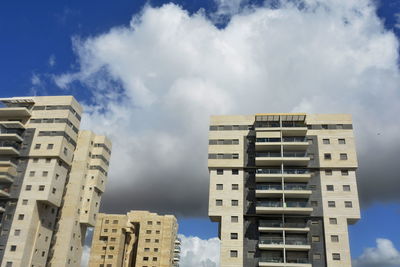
x: 293, y: 128
x: 297, y: 143
x: 4, y: 191
x: 276, y: 226
x: 12, y: 124
x: 271, y: 243
x: 10, y: 135
x: 6, y: 177
x: 268, y: 158
x: 9, y: 148
x: 299, y: 190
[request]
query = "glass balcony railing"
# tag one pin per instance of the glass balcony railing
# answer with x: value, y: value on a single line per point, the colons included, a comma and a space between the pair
x: 294, y: 154
x: 271, y: 241
x: 270, y: 224
x: 297, y: 260
x: 273, y: 204
x: 296, y: 171
x: 268, y: 187
x: 268, y: 140
x: 294, y: 139
x: 5, y: 188
x: 295, y: 224
x: 296, y: 187
x: 271, y: 259
x: 297, y: 242
x: 296, y: 204
x: 268, y: 171
x: 280, y: 224
x: 288, y: 204
x: 6, y: 174
x: 268, y: 154
x: 267, y: 124
x: 293, y: 124
x: 9, y: 144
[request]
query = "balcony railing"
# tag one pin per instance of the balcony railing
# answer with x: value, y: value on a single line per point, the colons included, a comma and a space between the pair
x: 288, y: 204
x: 9, y: 144
x: 297, y: 260
x: 268, y: 154
x: 293, y: 124
x: 268, y: 140
x: 294, y: 154
x: 271, y: 259
x: 295, y: 224
x: 296, y: 204
x: 270, y: 224
x: 268, y: 187
x: 279, y: 187
x: 296, y: 171
x: 296, y: 187
x: 272, y: 204
x: 267, y: 124
x: 5, y: 188
x: 268, y: 171
x: 7, y: 175
x: 298, y: 242
x: 271, y: 241
x: 294, y: 139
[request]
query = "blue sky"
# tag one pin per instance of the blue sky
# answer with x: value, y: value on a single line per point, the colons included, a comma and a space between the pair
x: 37, y: 47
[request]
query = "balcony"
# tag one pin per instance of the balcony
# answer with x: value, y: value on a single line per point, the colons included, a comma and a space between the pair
x: 277, y: 207
x: 291, y: 143
x: 295, y: 158
x: 292, y: 158
x: 290, y: 190
x: 271, y: 243
x: 279, y: 261
x: 6, y: 177
x: 12, y: 124
x: 4, y: 191
x: 277, y: 226
x: 14, y: 112
x: 268, y: 175
x: 297, y: 244
x: 296, y: 175
x: 268, y: 158
x: 294, y: 128
x: 11, y: 135
x: 9, y: 148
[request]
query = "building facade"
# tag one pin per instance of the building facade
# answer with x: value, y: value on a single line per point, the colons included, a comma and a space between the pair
x: 283, y: 188
x: 52, y: 178
x: 137, y: 239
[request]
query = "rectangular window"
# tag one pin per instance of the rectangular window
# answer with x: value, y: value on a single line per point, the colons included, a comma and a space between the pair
x: 35, y: 160
x: 235, y: 172
x: 331, y: 204
x: 218, y: 202
x: 235, y: 156
x: 45, y: 173
x: 234, y: 253
x: 336, y: 256
x: 316, y: 256
x: 348, y: 204
x: 48, y: 160
x: 24, y: 202
x: 234, y: 236
x: 329, y: 188
x: 13, y: 248
x: 346, y: 188
x: 220, y: 187
x: 324, y: 126
x: 148, y: 232
x: 315, y: 238
x: 17, y: 232
x: 326, y: 141
x: 235, y: 202
x: 341, y: 141
x: 310, y: 141
x: 28, y: 187
x: 234, y: 219
x: 328, y: 172
x: 339, y: 126
x: 37, y: 146
x: 334, y: 238
x: 343, y: 156
x: 50, y: 146
x: 41, y: 187
x: 115, y: 221
x: 344, y: 172
x: 31, y: 173
x: 327, y: 156
x: 220, y: 171
x: 235, y: 187
x: 149, y: 223
x: 332, y: 221
x: 21, y: 217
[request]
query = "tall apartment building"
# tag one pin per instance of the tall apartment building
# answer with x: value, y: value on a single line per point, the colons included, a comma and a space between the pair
x: 283, y: 189
x: 137, y: 239
x: 52, y: 177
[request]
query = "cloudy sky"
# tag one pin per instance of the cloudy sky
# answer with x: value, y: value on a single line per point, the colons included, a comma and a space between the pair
x: 149, y: 74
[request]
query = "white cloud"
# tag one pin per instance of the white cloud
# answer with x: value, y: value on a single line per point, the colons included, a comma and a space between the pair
x: 52, y: 60
x: 156, y: 82
x: 196, y: 252
x: 85, y: 256
x: 384, y: 255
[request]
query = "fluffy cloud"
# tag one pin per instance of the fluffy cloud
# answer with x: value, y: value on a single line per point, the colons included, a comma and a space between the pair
x: 155, y: 83
x: 384, y: 255
x: 198, y: 252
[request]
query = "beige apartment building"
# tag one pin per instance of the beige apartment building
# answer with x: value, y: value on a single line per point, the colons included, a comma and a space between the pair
x: 283, y: 189
x: 52, y: 176
x: 135, y: 239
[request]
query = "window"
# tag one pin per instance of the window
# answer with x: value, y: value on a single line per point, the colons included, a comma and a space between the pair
x: 315, y: 238
x: 48, y: 160
x: 147, y: 240
x: 111, y: 247
x: 331, y: 204
x: 157, y: 232
x: 344, y: 172
x: 155, y: 249
x: 17, y: 232
x: 110, y: 256
x: 37, y: 146
x: 220, y: 186
x: 310, y: 141
x: 114, y: 230
x: 235, y: 187
x: 112, y: 239
x: 334, y: 238
x: 342, y: 141
x: 31, y: 173
x: 35, y: 160
x: 332, y: 221
x: 50, y: 146
x: 324, y: 126
x: 311, y: 156
x: 336, y: 256
x: 339, y: 126
x: 28, y: 187
x: 24, y: 202
x: 235, y: 172
x: 13, y: 248
x: 9, y: 264
x: 220, y: 171
x: 149, y: 223
x: 218, y: 202
x: 235, y: 156
x: 115, y: 221
x: 146, y: 249
x: 314, y: 203
x: 346, y: 188
x: 21, y: 217
x: 234, y: 219
x: 107, y: 221
x: 148, y: 231
x: 328, y: 172
x: 327, y: 156
x: 329, y: 187
x: 145, y: 258
x: 233, y: 253
x: 154, y: 258
x: 343, y: 156
x: 45, y: 173
x: 235, y: 202
x: 234, y: 236
x: 316, y: 256
x: 158, y: 223
x: 348, y: 204
x: 156, y: 240
x: 326, y: 141
x: 41, y: 187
